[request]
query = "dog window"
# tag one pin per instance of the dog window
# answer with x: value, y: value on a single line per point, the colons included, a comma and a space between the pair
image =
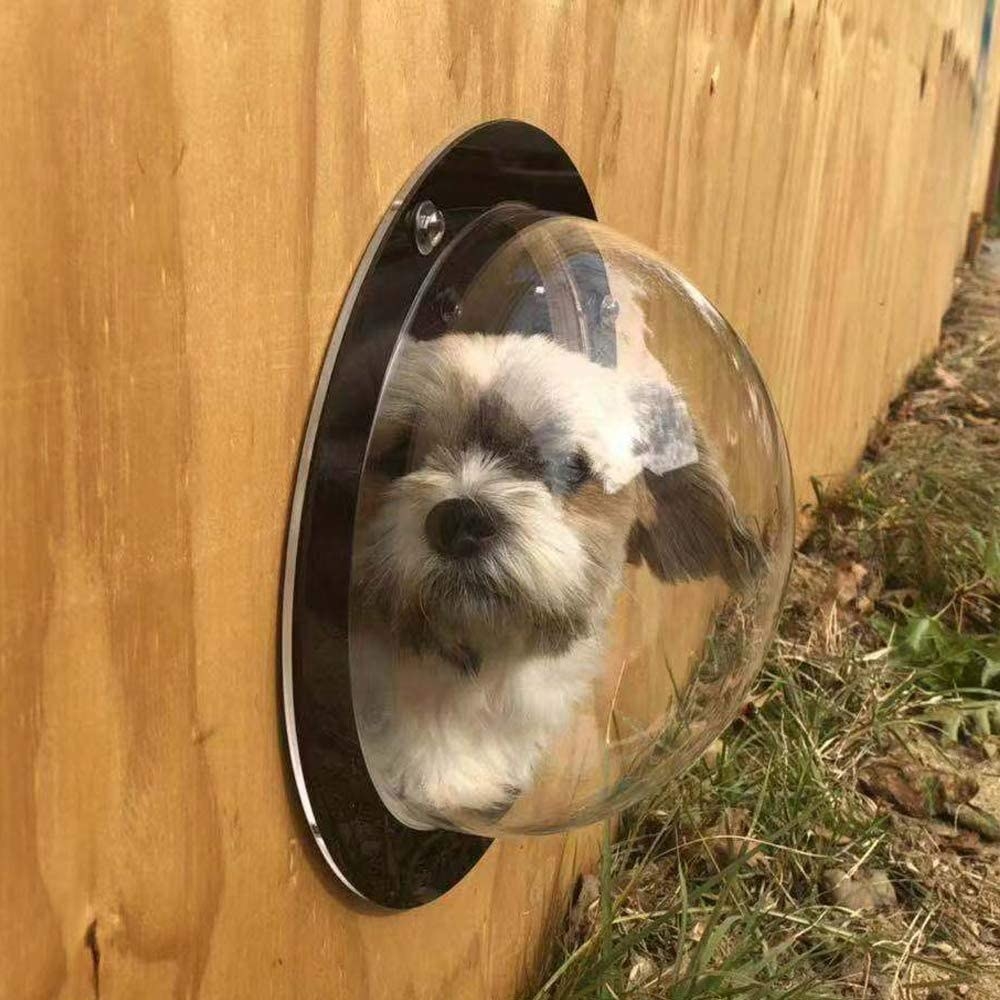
x: 573, y: 527
x: 540, y: 531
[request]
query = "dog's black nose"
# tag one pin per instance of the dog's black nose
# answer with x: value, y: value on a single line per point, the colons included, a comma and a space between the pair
x: 460, y: 527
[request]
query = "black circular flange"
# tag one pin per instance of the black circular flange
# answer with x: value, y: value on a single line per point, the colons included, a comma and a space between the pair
x: 360, y: 841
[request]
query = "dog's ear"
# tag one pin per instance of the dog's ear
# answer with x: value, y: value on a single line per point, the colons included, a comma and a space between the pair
x: 687, y: 526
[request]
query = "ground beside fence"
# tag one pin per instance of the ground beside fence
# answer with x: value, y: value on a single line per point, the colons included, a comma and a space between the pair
x: 841, y: 840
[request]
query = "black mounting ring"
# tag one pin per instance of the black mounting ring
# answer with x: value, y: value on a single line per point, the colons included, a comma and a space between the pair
x: 368, y: 850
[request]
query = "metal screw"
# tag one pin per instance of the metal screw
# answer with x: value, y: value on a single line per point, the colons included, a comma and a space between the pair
x: 449, y: 306
x: 428, y: 227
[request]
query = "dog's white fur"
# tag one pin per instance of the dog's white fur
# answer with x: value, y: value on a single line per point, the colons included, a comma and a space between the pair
x: 441, y: 745
x: 442, y: 742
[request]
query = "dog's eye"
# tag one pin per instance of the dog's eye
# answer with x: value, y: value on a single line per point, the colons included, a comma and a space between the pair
x: 571, y: 473
x: 394, y: 462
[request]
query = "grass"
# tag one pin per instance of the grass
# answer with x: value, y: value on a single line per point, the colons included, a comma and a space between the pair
x: 723, y: 885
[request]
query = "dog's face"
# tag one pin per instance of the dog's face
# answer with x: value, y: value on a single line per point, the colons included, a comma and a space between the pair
x: 507, y: 482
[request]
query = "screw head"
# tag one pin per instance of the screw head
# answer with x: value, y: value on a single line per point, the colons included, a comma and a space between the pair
x: 428, y: 227
x: 449, y: 305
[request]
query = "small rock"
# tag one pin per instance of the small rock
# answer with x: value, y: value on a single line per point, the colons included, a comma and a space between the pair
x: 863, y: 891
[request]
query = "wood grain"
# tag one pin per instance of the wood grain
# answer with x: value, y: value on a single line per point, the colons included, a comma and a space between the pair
x: 185, y: 190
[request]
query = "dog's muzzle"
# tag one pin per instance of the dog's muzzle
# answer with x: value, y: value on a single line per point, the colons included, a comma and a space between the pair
x: 462, y: 528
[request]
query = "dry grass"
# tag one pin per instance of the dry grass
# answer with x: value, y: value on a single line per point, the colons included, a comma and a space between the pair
x: 764, y: 873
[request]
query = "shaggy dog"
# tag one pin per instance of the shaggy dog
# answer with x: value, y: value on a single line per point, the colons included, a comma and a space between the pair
x: 508, y: 482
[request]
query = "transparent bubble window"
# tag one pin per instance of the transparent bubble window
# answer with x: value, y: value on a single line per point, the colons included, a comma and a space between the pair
x: 540, y: 532
x: 573, y: 532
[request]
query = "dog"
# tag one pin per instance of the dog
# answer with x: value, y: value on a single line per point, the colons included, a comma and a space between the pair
x: 508, y: 483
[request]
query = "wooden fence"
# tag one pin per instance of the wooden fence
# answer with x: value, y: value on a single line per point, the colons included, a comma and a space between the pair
x: 185, y: 190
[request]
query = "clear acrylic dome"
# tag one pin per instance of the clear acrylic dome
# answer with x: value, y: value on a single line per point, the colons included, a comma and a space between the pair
x: 573, y: 532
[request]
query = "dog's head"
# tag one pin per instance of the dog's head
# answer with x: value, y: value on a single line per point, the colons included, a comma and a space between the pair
x: 508, y: 481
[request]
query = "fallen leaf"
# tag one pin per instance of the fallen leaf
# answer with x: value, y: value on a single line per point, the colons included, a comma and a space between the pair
x: 755, y: 703
x: 915, y: 789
